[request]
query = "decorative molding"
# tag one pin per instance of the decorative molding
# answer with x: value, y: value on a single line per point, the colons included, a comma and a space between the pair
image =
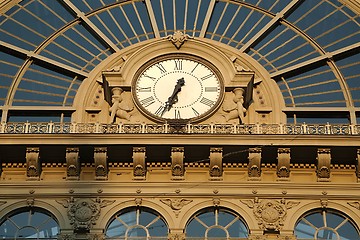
x: 96, y: 236
x: 139, y: 166
x: 176, y: 236
x: 176, y: 203
x: 283, y: 166
x: 355, y: 204
x: 83, y: 213
x: 72, y: 164
x: 177, y: 163
x: 66, y: 236
x: 2, y: 202
x: 323, y: 164
x: 100, y: 158
x: 270, y: 213
x: 33, y: 166
x: 178, y: 39
x: 216, y: 169
x: 254, y: 166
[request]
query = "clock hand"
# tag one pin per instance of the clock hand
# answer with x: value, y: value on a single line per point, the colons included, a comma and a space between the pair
x: 173, y: 98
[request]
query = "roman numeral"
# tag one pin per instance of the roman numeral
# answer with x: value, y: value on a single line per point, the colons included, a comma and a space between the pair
x: 147, y: 101
x: 161, y: 67
x: 178, y: 64
x: 160, y: 111
x: 195, y: 112
x: 177, y: 114
x: 206, y: 77
x: 194, y: 67
x: 150, y: 77
x: 207, y: 102
x: 211, y: 89
x: 145, y: 89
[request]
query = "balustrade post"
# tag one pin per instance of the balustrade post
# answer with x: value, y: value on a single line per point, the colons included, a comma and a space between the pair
x: 97, y: 127
x: 3, y: 127
x: 143, y: 128
x: 234, y: 128
x: 304, y: 128
x: 120, y: 127
x: 281, y: 128
x: 352, y: 129
x: 73, y: 127
x: 166, y: 128
x: 257, y: 128
x: 189, y: 128
x: 27, y: 126
x: 50, y: 127
x: 328, y: 128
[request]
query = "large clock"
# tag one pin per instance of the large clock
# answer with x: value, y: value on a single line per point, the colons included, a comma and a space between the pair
x: 178, y: 86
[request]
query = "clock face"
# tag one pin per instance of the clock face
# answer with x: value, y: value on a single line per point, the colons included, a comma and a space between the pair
x: 178, y: 87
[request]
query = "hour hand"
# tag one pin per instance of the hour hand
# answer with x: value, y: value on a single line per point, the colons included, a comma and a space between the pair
x: 173, y: 98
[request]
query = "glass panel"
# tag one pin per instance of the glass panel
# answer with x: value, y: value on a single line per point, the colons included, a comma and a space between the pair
x: 337, y: 226
x: 149, y: 224
x: 29, y: 223
x: 228, y: 224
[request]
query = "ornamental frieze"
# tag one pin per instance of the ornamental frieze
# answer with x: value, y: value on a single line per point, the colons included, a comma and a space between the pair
x: 269, y: 213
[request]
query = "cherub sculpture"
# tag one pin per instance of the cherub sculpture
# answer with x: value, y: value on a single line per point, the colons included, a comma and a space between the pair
x: 235, y: 108
x: 120, y: 107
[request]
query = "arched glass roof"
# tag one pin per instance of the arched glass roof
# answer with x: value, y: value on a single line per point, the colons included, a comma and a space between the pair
x: 310, y: 48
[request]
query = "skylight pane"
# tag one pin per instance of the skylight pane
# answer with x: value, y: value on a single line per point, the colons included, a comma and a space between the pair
x: 41, y: 86
x: 76, y: 48
x: 318, y: 87
x: 283, y: 48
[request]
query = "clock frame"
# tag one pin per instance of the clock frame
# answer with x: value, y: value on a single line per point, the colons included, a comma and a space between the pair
x: 158, y: 95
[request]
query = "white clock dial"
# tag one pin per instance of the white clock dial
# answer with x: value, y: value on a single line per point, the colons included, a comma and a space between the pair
x: 178, y: 87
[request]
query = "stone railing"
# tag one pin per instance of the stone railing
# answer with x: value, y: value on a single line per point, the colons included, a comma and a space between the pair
x: 247, y: 129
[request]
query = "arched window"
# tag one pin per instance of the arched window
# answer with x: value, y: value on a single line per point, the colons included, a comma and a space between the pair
x: 137, y: 223
x: 29, y: 223
x: 216, y: 223
x: 326, y: 225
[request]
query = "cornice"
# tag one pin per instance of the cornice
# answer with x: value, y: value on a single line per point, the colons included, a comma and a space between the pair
x: 328, y: 190
x: 179, y: 139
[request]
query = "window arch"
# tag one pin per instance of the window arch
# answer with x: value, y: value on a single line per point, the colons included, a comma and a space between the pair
x: 29, y: 223
x: 326, y: 224
x: 137, y: 223
x: 219, y: 223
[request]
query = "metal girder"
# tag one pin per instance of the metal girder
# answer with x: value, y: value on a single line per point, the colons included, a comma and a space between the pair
x: 152, y: 18
x: 90, y: 24
x: 31, y: 54
x: 315, y: 60
x: 207, y: 18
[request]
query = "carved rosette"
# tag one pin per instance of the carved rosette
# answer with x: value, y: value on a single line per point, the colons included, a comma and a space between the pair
x: 270, y: 214
x: 83, y: 213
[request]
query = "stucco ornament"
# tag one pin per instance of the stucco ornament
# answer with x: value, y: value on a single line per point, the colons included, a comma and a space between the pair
x: 176, y: 204
x: 178, y: 39
x: 270, y: 213
x: 83, y: 213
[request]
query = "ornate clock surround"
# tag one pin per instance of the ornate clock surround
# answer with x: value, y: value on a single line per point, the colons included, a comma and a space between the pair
x: 236, y: 69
